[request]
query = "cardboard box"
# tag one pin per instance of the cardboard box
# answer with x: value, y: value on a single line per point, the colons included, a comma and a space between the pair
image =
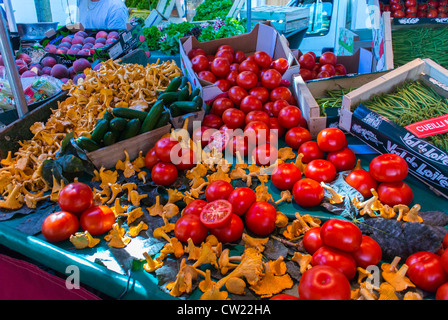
x: 426, y: 162
x: 107, y: 157
x: 128, y: 40
x: 263, y: 37
x: 306, y: 94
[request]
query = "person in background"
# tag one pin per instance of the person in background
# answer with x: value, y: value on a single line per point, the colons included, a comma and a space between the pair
x: 103, y: 14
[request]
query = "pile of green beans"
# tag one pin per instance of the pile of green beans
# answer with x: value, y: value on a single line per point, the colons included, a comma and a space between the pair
x: 420, y: 42
x: 412, y: 102
x: 332, y: 99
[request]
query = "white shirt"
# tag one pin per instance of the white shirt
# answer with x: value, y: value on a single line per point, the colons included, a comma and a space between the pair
x: 104, y: 14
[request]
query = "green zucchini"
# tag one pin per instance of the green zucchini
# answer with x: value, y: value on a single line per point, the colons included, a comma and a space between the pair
x: 174, y: 85
x: 184, y: 94
x: 199, y: 102
x: 185, y: 106
x: 195, y: 92
x: 87, y: 144
x: 127, y: 113
x: 169, y: 97
x: 100, y: 130
x: 118, y: 124
x: 164, y: 118
x: 108, y: 116
x: 152, y: 117
x: 184, y: 82
x: 131, y: 130
x: 109, y: 138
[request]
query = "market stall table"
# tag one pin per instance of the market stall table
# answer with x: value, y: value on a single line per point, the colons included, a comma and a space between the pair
x: 117, y: 281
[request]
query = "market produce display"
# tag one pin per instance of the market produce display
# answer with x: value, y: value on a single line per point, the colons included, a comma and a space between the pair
x: 210, y: 10
x: 325, y: 66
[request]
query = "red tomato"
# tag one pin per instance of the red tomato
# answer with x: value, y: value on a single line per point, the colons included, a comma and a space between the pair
x: 235, y: 67
x: 59, y: 226
x: 308, y: 192
x: 236, y: 94
x: 200, y: 63
x: 196, y: 52
x: 226, y: 54
x: 388, y: 167
x: 216, y: 214
x: 329, y: 68
x: 324, y: 283
x: 257, y: 115
x: 341, y: 234
x: 306, y: 74
x: 241, y: 199
x: 312, y: 240
x: 393, y: 193
x: 75, y: 198
x: 263, y: 59
x: 323, y: 74
x: 310, y: 151
x: 203, y: 134
x: 220, y: 67
x: 231, y: 77
x: 225, y: 47
x: 280, y: 93
x: 223, y: 85
x: 320, y: 170
x: 234, y: 118
x: 267, y: 107
x: 442, y: 292
x: 362, y: 181
x: 186, y: 159
x: 307, y: 61
x: 231, y: 232
x: 271, y: 79
x: 240, y: 143
x: 327, y: 58
x: 444, y: 259
x: 164, y: 173
x: 207, y: 76
x: 285, y: 175
x: 281, y: 65
x: 248, y: 65
x: 260, y: 218
x: 340, y: 70
x: 163, y: 148
x: 218, y: 189
x: 247, y: 79
x: 289, y: 117
x: 260, y: 93
x: 190, y: 226
x: 97, y: 219
x: 212, y: 121
x: 239, y: 56
x: 195, y: 207
x: 426, y: 271
x: 284, y: 296
x: 265, y: 154
x: 398, y: 13
x: 151, y: 158
x: 338, y: 259
x: 220, y: 105
x: 331, y: 139
x: 277, y: 106
x: 257, y: 132
x: 343, y: 159
x: 274, y: 125
x: 368, y: 254
x: 296, y: 136
x: 250, y: 103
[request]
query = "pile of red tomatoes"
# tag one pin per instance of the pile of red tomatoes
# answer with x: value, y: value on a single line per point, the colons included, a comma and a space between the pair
x: 222, y: 213
x: 325, y: 66
x: 413, y: 9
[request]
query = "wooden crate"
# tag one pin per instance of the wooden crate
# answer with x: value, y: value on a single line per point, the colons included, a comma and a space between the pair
x: 107, y: 157
x: 426, y: 162
x: 284, y: 19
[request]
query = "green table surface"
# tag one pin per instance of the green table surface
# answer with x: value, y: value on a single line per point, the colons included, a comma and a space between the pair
x: 114, y: 282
